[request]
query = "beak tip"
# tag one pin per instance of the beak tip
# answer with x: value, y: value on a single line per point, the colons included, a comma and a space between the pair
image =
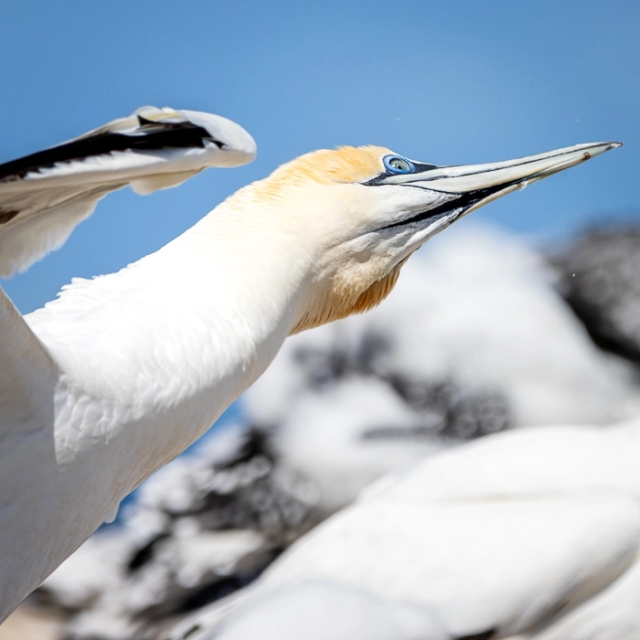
x: 597, y: 148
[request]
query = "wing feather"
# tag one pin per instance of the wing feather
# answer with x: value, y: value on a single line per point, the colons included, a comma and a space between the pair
x: 152, y: 149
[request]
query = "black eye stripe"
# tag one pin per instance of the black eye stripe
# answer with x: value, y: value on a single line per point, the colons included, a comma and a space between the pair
x: 158, y: 136
x: 421, y: 166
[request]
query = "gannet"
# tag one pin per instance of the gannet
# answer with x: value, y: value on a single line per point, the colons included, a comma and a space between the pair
x: 530, y: 534
x: 121, y: 373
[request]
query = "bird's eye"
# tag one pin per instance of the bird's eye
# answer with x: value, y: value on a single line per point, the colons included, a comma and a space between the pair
x: 397, y: 164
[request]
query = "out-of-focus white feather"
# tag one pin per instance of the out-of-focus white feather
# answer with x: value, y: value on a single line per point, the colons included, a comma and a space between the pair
x: 325, y: 438
x: 317, y: 610
x: 532, y: 533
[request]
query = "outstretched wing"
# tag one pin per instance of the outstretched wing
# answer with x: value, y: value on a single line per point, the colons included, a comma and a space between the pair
x: 43, y: 196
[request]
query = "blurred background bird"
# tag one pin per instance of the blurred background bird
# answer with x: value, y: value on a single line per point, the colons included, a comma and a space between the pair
x: 263, y: 487
x: 533, y: 533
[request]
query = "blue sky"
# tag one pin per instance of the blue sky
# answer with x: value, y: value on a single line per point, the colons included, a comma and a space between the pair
x: 444, y: 82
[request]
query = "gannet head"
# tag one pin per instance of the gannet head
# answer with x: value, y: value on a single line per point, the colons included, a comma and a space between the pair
x: 368, y: 209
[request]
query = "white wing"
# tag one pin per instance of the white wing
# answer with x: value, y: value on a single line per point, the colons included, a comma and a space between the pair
x: 28, y: 377
x: 523, y: 533
x: 314, y: 610
x: 43, y: 196
x: 468, y: 570
x: 487, y: 568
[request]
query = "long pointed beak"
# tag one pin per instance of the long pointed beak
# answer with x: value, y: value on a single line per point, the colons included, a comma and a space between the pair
x: 472, y: 177
x: 477, y: 184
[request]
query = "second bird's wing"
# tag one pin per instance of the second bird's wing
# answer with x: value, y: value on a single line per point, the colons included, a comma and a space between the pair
x: 469, y: 569
x: 313, y: 610
x: 487, y: 569
x: 43, y: 196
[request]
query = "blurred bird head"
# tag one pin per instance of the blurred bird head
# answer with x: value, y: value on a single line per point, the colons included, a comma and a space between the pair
x: 361, y: 212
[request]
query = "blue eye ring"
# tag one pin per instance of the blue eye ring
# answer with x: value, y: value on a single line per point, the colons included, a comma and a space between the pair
x: 398, y: 164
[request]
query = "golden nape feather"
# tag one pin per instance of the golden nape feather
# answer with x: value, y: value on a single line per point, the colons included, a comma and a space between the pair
x: 355, y: 287
x: 325, y: 166
x: 344, y: 164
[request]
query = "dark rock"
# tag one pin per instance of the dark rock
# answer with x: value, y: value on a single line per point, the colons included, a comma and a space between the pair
x: 600, y: 279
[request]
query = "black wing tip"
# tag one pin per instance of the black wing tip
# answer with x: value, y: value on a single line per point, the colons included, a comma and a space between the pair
x: 152, y: 136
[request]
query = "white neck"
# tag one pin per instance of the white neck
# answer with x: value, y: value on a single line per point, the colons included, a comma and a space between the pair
x: 161, y: 348
x: 147, y: 358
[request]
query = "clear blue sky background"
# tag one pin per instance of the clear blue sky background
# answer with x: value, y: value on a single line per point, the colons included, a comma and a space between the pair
x: 445, y: 82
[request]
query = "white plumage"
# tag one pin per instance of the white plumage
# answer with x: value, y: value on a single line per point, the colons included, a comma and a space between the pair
x: 319, y: 610
x: 532, y: 533
x: 121, y: 373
